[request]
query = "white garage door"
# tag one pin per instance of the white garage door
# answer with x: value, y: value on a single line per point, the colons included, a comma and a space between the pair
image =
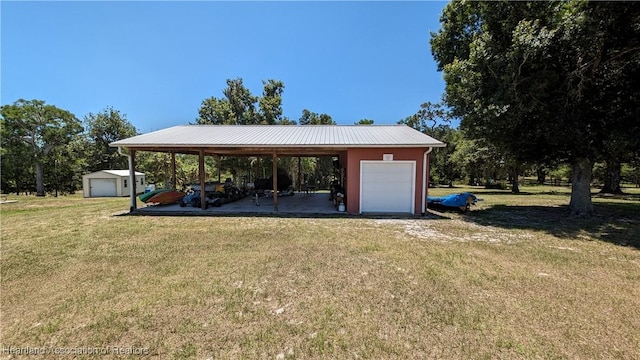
x: 387, y: 186
x: 102, y: 187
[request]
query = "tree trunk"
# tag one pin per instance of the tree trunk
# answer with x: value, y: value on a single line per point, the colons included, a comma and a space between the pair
x: 612, y: 178
x: 472, y: 180
x: 515, y: 186
x: 581, y: 204
x: 542, y: 175
x: 39, y: 179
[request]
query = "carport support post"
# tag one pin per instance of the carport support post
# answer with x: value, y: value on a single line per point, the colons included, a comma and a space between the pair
x: 218, y: 160
x: 299, y: 174
x: 275, y: 182
x: 132, y: 180
x: 173, y: 170
x: 203, y: 204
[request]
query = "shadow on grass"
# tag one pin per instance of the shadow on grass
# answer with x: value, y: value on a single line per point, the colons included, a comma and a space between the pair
x: 522, y: 193
x: 616, y: 223
x: 623, y: 196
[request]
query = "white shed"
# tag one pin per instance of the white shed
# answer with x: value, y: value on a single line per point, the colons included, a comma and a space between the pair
x: 110, y: 183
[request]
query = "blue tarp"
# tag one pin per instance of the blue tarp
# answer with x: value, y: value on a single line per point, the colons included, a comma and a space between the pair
x: 454, y: 200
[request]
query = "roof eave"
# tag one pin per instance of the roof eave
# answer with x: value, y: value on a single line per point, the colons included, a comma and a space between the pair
x: 168, y: 146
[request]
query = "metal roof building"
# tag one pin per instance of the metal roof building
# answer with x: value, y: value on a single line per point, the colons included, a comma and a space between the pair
x: 372, y: 156
x: 111, y: 183
x: 240, y: 139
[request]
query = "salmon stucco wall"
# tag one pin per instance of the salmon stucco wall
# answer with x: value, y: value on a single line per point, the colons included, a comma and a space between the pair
x: 354, y: 156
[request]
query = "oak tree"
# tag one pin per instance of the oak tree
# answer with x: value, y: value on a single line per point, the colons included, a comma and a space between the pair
x: 36, y: 129
x: 539, y: 79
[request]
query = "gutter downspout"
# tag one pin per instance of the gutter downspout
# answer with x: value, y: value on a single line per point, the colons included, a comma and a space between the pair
x: 424, y: 180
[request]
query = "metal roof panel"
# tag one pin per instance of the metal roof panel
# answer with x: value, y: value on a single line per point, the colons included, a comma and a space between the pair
x: 283, y: 135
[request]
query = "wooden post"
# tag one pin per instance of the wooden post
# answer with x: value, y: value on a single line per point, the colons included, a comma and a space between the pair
x: 173, y: 170
x: 132, y: 180
x: 218, y: 162
x: 275, y: 182
x: 201, y: 173
x: 299, y: 174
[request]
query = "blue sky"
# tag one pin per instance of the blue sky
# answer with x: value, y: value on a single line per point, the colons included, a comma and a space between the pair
x: 157, y: 61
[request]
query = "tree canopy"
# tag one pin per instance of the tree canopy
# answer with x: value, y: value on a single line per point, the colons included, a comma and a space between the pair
x: 104, y: 128
x: 312, y: 118
x: 270, y: 103
x: 543, y: 81
x: 37, y: 131
x: 240, y: 107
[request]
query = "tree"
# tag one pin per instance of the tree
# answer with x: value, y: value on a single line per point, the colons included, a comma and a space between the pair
x: 311, y: 118
x: 65, y: 165
x: 324, y: 167
x: 214, y: 111
x: 478, y: 159
x: 104, y: 128
x: 432, y: 119
x: 622, y: 140
x: 427, y: 117
x: 238, y: 107
x: 307, y: 117
x: 634, y: 170
x: 42, y: 128
x: 529, y: 77
x: 285, y: 121
x: 271, y: 102
x: 608, y: 81
x: 481, y: 88
x: 241, y: 103
x: 364, y: 122
x: 17, y: 175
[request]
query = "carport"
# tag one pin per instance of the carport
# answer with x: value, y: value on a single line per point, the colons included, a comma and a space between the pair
x: 385, y: 166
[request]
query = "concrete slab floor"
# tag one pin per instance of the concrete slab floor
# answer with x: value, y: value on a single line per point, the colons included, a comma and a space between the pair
x: 300, y: 203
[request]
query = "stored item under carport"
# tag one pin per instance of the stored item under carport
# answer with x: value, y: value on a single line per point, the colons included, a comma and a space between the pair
x: 146, y: 196
x: 193, y: 198
x: 460, y: 201
x: 167, y: 197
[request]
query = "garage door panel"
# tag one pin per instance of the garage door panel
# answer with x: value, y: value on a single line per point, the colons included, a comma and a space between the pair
x: 387, y: 186
x: 385, y: 202
x: 102, y: 187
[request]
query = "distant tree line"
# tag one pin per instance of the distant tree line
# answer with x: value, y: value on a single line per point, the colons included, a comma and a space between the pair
x: 543, y: 89
x: 238, y: 106
x: 475, y: 161
x: 45, y: 149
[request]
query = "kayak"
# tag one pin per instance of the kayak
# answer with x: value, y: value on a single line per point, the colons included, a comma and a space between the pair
x: 167, y: 197
x: 146, y: 196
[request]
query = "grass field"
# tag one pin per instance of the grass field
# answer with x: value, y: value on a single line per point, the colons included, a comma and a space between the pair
x: 514, y: 278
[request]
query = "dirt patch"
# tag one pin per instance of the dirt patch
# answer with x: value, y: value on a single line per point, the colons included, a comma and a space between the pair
x: 453, y: 230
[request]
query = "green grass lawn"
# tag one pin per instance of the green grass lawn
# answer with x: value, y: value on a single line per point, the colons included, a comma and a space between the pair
x: 513, y: 278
